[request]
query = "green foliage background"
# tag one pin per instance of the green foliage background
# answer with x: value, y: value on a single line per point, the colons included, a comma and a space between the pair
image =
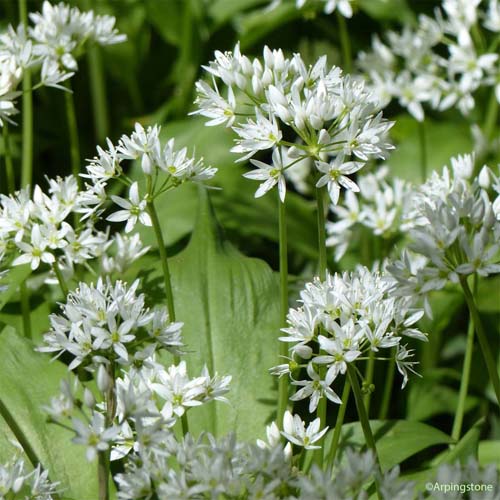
x: 150, y: 79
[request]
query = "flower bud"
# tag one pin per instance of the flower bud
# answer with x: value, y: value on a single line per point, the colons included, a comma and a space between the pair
x: 103, y: 381
x: 484, y: 177
x: 88, y: 398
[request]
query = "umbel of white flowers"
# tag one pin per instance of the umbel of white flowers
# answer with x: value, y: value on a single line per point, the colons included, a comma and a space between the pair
x: 57, y: 36
x: 454, y: 227
x: 345, y: 316
x: 380, y: 207
x: 440, y: 62
x: 108, y: 331
x: 296, y: 112
x: 35, y: 229
x: 159, y: 160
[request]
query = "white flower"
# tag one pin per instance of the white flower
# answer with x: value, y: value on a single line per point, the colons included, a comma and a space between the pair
x: 133, y: 209
x: 295, y: 431
x: 337, y: 355
x: 492, y: 17
x: 335, y: 175
x: 34, y: 252
x: 143, y: 144
x: 114, y: 336
x: 95, y: 436
x: 213, y: 106
x: 261, y: 134
x: 271, y: 175
x: 315, y: 388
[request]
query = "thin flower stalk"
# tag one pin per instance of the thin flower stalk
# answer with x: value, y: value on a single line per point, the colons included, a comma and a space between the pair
x: 363, y: 417
x: 74, y: 142
x: 332, y: 452
x: 283, y: 384
x: 481, y: 335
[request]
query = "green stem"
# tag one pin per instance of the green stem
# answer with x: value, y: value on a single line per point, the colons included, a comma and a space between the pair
x: 9, y: 167
x: 27, y: 110
x: 370, y: 366
x: 163, y: 259
x: 491, y: 116
x: 98, y: 93
x: 483, y: 341
x: 363, y: 417
x: 166, y: 277
x: 321, y: 220
x: 25, y: 309
x: 283, y: 384
x: 389, y: 381
x: 19, y: 434
x: 74, y: 142
x: 103, y: 474
x: 60, y: 279
x: 464, y: 383
x: 422, y: 137
x: 345, y: 43
x: 338, y: 425
x: 26, y: 162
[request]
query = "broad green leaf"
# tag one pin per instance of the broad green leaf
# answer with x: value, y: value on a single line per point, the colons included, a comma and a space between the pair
x: 14, y: 277
x: 445, y: 306
x: 396, y: 440
x: 489, y: 453
x: 488, y: 295
x: 28, y: 381
x: 404, y: 162
x: 428, y: 398
x: 39, y: 317
x: 229, y: 306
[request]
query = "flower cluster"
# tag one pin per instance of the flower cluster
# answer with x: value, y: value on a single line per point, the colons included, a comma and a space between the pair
x: 380, y: 207
x: 109, y: 322
x: 206, y: 468
x: 35, y: 229
x: 342, y: 319
x: 165, y: 168
x: 344, y: 7
x: 332, y: 119
x: 18, y: 482
x: 440, y: 63
x: 146, y: 399
x: 104, y: 327
x: 453, y: 229
x: 53, y: 42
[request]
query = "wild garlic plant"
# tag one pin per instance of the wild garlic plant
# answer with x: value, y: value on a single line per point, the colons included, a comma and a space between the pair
x: 296, y: 112
x: 163, y: 169
x: 130, y: 398
x: 442, y: 62
x: 48, y: 47
x: 51, y: 45
x: 110, y: 333
x: 454, y: 233
x: 343, y: 320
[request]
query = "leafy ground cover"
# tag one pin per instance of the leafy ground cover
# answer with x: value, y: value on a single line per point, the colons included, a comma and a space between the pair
x: 249, y: 249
